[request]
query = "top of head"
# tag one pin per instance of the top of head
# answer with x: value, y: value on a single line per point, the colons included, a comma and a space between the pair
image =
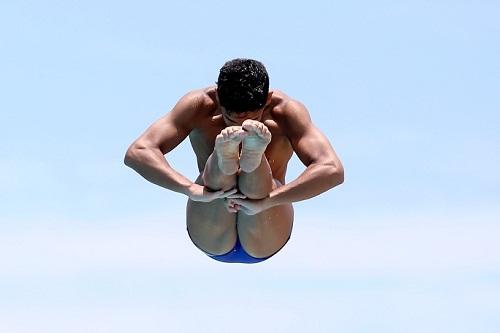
x: 243, y: 85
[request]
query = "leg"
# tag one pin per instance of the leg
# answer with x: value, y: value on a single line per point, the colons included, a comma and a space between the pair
x: 214, y: 178
x: 211, y: 227
x: 255, y: 179
x: 258, y: 183
x: 263, y: 234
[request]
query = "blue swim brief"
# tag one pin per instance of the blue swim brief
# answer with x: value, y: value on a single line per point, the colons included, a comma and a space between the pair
x: 238, y: 254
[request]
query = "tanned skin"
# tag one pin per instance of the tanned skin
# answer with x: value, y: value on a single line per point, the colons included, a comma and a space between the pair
x: 242, y: 159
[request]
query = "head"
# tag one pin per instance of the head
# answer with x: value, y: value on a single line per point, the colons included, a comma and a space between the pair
x: 243, y: 87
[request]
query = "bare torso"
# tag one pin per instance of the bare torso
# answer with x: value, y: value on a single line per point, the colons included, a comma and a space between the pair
x: 210, y: 123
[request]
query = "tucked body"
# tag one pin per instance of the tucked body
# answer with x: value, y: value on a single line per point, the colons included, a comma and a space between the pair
x: 240, y: 207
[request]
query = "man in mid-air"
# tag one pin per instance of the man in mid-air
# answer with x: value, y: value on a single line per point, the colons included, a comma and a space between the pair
x: 243, y: 134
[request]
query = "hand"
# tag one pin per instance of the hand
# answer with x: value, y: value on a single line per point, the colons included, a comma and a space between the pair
x: 247, y: 206
x: 202, y: 194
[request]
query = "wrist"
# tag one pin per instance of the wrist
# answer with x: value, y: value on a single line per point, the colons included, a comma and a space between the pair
x: 270, y: 201
x: 188, y: 189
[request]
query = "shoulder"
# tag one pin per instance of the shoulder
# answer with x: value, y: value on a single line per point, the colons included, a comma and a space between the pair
x: 200, y: 99
x: 289, y: 113
x: 194, y: 105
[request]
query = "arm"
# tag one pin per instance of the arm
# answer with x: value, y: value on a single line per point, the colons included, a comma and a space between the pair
x: 323, y: 168
x: 146, y: 154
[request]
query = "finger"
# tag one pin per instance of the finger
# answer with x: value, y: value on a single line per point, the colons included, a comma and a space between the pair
x: 245, y: 210
x: 215, y: 194
x: 210, y: 196
x: 228, y: 193
x: 231, y: 209
x: 238, y: 201
x: 236, y: 196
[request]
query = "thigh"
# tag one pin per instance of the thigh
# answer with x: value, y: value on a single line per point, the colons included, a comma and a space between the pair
x: 263, y: 234
x: 211, y: 227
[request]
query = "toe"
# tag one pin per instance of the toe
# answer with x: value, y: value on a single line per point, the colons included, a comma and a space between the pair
x: 248, y: 125
x: 262, y: 129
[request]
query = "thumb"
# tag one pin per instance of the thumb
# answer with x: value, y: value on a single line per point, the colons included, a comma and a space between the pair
x: 245, y: 210
x: 238, y: 201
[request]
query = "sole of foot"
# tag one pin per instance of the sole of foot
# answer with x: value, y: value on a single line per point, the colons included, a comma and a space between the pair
x: 254, y: 144
x: 227, y: 146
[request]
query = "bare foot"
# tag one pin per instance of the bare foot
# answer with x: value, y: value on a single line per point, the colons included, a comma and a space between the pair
x: 254, y: 144
x: 227, y: 147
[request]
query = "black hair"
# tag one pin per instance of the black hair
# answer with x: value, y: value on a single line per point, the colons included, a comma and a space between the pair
x: 243, y: 85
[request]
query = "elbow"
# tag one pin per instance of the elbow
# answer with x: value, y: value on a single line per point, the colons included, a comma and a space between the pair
x: 340, y: 175
x: 336, y: 175
x: 132, y: 155
x: 138, y: 154
x: 129, y: 157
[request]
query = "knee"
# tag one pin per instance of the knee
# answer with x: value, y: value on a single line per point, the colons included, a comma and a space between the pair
x: 255, y: 190
x: 223, y: 183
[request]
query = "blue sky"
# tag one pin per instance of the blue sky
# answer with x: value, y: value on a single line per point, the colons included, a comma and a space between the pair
x: 407, y: 92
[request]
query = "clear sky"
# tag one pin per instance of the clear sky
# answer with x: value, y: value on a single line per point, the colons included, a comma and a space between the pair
x: 407, y: 92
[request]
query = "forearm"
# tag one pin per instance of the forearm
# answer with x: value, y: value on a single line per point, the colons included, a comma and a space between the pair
x: 316, y: 179
x: 151, y: 164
